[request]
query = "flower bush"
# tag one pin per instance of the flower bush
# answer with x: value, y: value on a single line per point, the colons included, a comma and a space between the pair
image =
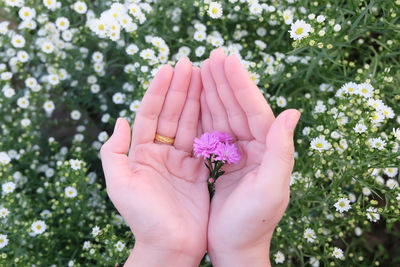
x: 69, y: 69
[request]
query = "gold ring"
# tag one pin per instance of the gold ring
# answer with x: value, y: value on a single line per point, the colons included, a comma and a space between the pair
x: 164, y: 139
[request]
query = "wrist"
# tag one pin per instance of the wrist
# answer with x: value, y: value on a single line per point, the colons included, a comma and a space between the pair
x: 257, y: 256
x: 148, y: 255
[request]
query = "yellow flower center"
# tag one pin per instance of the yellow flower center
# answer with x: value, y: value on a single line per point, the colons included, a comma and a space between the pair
x: 299, y: 31
x: 319, y: 145
x: 214, y: 10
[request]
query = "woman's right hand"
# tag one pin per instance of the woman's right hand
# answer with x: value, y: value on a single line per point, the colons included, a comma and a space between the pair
x: 251, y: 197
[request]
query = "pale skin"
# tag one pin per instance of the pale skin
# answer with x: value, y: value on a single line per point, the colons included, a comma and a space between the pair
x: 161, y: 190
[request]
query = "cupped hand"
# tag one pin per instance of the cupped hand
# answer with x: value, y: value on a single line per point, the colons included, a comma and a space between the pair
x: 251, y: 197
x: 160, y: 189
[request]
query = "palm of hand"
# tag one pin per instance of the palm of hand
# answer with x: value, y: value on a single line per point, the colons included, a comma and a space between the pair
x: 239, y: 200
x: 251, y: 197
x: 160, y: 189
x: 171, y: 184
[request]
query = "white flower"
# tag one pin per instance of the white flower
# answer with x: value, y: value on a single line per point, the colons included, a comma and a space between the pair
x: 118, y: 98
x: 131, y: 49
x: 5, y: 76
x: 299, y: 30
x: 199, y: 36
x: 366, y: 191
x: 134, y: 106
x: 27, y: 13
x: 70, y: 192
x: 147, y: 54
x: 350, y: 88
x: 50, y: 4
x: 75, y: 115
x: 97, y: 56
x: 3, y: 241
x: 4, y: 158
x: 343, y: 204
x: 309, y: 234
x: 255, y: 9
x: 120, y: 245
x: 377, y: 117
x: 95, y: 88
x: 215, y: 10
x: 75, y: 164
x: 80, y: 7
x: 62, y: 23
x: 287, y: 16
x: 337, y: 253
x: 18, y: 41
x: 38, y: 227
x: 25, y: 122
x: 320, y: 107
x: 392, y: 183
x: 321, y: 18
x: 396, y: 133
x: 372, y: 214
x: 375, y: 103
x: 337, y: 28
x: 320, y: 144
x: 391, y: 172
x: 96, y: 231
x: 4, y: 212
x: 8, y: 92
x: 53, y: 79
x: 47, y: 47
x: 279, y: 257
x: 201, y: 49
x: 360, y: 128
x: 358, y: 231
x: 103, y: 136
x: 388, y: 112
x: 23, y: 102
x: 87, y: 245
x: 49, y: 106
x: 365, y: 90
x: 281, y: 101
x: 398, y: 197
x: 377, y: 143
x: 31, y: 82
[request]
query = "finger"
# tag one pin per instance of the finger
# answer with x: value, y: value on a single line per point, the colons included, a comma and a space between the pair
x: 175, y: 99
x: 236, y: 116
x: 189, y: 120
x: 113, y: 153
x: 277, y: 164
x: 214, y: 103
x: 258, y: 112
x: 144, y: 128
x: 206, y: 119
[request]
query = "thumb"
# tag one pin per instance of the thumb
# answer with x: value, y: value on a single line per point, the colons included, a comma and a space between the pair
x: 113, y: 152
x: 278, y: 160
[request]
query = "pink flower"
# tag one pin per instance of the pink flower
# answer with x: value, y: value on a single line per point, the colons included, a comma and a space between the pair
x: 222, y: 137
x: 206, y: 145
x: 228, y: 153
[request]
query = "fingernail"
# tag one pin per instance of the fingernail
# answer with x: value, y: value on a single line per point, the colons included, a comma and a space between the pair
x: 291, y: 120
